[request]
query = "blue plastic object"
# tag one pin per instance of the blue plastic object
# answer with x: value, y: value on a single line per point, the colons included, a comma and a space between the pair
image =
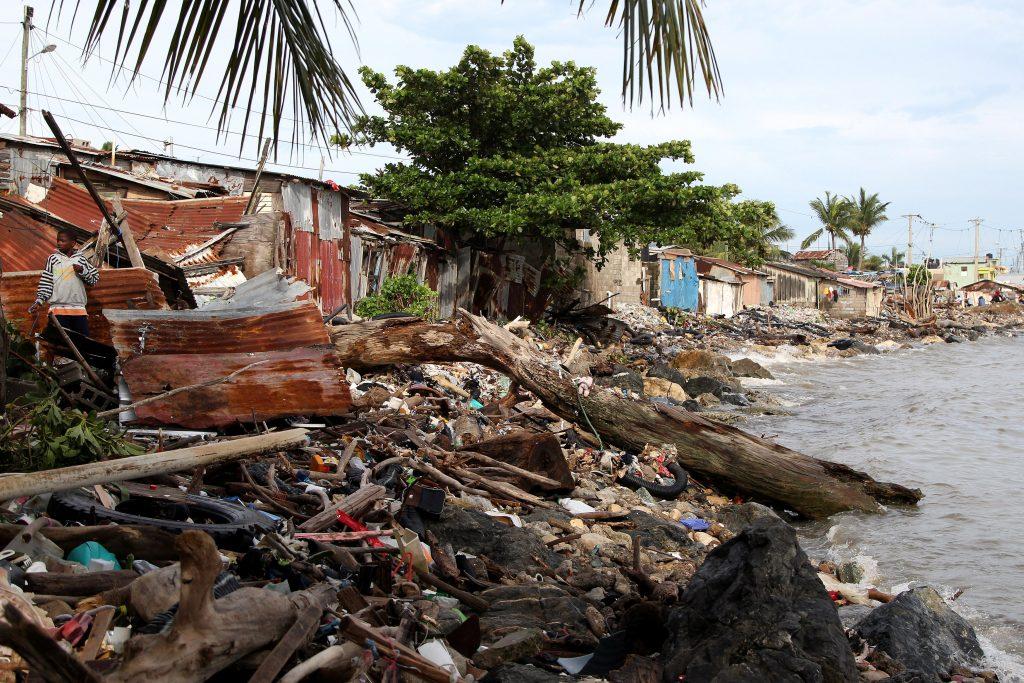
x: 695, y: 524
x: 91, y: 550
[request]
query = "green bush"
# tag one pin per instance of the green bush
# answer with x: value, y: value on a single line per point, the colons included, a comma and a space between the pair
x: 401, y: 294
x: 37, y: 434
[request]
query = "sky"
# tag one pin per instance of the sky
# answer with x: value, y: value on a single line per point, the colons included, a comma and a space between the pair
x: 917, y: 100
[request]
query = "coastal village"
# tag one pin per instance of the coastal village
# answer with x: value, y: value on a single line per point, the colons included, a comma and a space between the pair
x: 298, y: 432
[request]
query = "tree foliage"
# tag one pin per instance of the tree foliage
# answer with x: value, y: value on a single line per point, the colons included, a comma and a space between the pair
x: 834, y: 214
x: 500, y: 147
x: 401, y: 294
x: 867, y: 211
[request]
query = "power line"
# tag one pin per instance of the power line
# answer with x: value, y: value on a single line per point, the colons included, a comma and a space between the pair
x: 211, y: 151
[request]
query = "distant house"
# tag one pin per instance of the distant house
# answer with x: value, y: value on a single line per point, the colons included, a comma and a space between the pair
x: 961, y: 270
x: 810, y: 287
x: 843, y: 297
x: 794, y: 285
x: 757, y: 285
x: 837, y: 257
x: 986, y: 289
x: 720, y: 296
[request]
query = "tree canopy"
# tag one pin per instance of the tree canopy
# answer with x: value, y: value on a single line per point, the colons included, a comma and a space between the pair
x: 499, y: 146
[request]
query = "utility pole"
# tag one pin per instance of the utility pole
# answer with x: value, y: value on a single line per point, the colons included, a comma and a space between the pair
x: 26, y: 29
x: 910, y: 236
x: 977, y: 244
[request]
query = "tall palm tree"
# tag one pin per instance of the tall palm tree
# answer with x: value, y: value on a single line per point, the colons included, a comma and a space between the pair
x: 834, y: 214
x: 866, y: 212
x: 282, y: 56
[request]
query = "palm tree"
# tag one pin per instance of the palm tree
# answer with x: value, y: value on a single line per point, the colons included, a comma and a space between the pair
x: 834, y: 214
x: 894, y: 259
x: 866, y: 212
x: 282, y: 56
x: 855, y: 254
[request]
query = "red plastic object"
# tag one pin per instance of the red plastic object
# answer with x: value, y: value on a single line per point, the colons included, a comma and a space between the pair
x: 356, y: 525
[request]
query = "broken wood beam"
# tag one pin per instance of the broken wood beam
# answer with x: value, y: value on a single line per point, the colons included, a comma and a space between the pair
x: 136, y: 467
x: 736, y: 462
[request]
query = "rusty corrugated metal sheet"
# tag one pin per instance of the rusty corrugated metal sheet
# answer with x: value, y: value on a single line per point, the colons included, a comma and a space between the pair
x: 300, y: 382
x: 201, y: 332
x: 162, y: 227
x: 25, y: 243
x: 120, y: 288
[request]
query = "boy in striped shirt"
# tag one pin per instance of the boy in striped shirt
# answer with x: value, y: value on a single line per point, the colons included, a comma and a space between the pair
x: 63, y: 284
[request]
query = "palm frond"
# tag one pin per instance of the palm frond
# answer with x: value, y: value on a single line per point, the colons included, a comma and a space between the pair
x: 810, y: 239
x: 666, y: 40
x: 281, y: 54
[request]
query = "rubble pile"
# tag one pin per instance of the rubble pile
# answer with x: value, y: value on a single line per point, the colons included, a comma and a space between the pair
x: 450, y: 526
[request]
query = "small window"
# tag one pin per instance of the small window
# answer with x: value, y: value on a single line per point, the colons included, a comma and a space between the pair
x: 963, y: 269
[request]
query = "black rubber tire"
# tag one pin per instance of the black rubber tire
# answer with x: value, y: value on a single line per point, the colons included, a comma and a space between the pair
x: 664, y: 491
x: 235, y: 529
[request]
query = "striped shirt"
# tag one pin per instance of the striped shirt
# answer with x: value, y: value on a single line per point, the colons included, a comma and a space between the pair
x: 62, y: 286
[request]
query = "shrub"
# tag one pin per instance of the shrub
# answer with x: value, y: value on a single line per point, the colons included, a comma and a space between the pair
x: 400, y: 295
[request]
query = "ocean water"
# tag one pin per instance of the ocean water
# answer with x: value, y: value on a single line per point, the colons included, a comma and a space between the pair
x: 948, y: 419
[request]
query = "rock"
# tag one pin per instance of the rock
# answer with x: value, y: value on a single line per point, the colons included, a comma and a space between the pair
x: 931, y: 339
x: 739, y: 517
x: 705, y: 385
x: 744, y: 367
x: 656, y: 386
x: 920, y: 631
x: 953, y: 339
x: 872, y: 676
x: 517, y: 645
x: 755, y: 610
x: 659, y: 534
x: 477, y: 534
x: 590, y: 541
x: 888, y: 345
x: 850, y: 615
x: 735, y: 399
x: 701, y: 362
x: 668, y: 372
x: 705, y: 539
x: 692, y: 406
x: 707, y: 400
x: 539, y: 606
x: 851, y: 344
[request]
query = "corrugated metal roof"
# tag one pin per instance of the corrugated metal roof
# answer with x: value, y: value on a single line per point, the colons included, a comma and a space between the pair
x: 813, y: 254
x: 120, y: 288
x: 170, y: 228
x: 856, y: 284
x: 203, y: 332
x: 704, y: 264
x: 300, y: 382
x: 163, y: 185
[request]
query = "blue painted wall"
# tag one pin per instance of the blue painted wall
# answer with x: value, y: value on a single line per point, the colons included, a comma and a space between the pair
x: 682, y: 290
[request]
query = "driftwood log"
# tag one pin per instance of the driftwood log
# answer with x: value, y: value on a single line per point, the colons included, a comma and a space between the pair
x: 727, y: 457
x: 139, y: 466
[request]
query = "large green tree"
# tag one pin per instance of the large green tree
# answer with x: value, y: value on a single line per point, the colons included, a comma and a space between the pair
x: 867, y: 211
x: 499, y: 146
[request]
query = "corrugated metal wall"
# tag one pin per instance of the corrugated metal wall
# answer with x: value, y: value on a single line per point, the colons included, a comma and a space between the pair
x: 679, y: 286
x: 793, y: 289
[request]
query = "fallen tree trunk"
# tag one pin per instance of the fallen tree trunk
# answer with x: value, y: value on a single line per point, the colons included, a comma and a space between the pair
x: 136, y: 467
x: 727, y: 457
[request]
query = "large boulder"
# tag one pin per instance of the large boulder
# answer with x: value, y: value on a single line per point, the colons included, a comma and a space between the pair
x: 701, y: 362
x: 478, y: 534
x: 920, y: 631
x: 756, y: 611
x: 744, y: 367
x: 706, y: 385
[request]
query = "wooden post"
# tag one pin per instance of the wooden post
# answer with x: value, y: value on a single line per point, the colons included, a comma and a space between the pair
x: 127, y: 238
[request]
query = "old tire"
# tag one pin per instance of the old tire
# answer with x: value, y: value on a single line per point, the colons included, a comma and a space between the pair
x: 230, y: 525
x: 665, y: 491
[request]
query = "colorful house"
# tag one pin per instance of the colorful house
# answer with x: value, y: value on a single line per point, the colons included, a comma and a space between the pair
x: 679, y: 284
